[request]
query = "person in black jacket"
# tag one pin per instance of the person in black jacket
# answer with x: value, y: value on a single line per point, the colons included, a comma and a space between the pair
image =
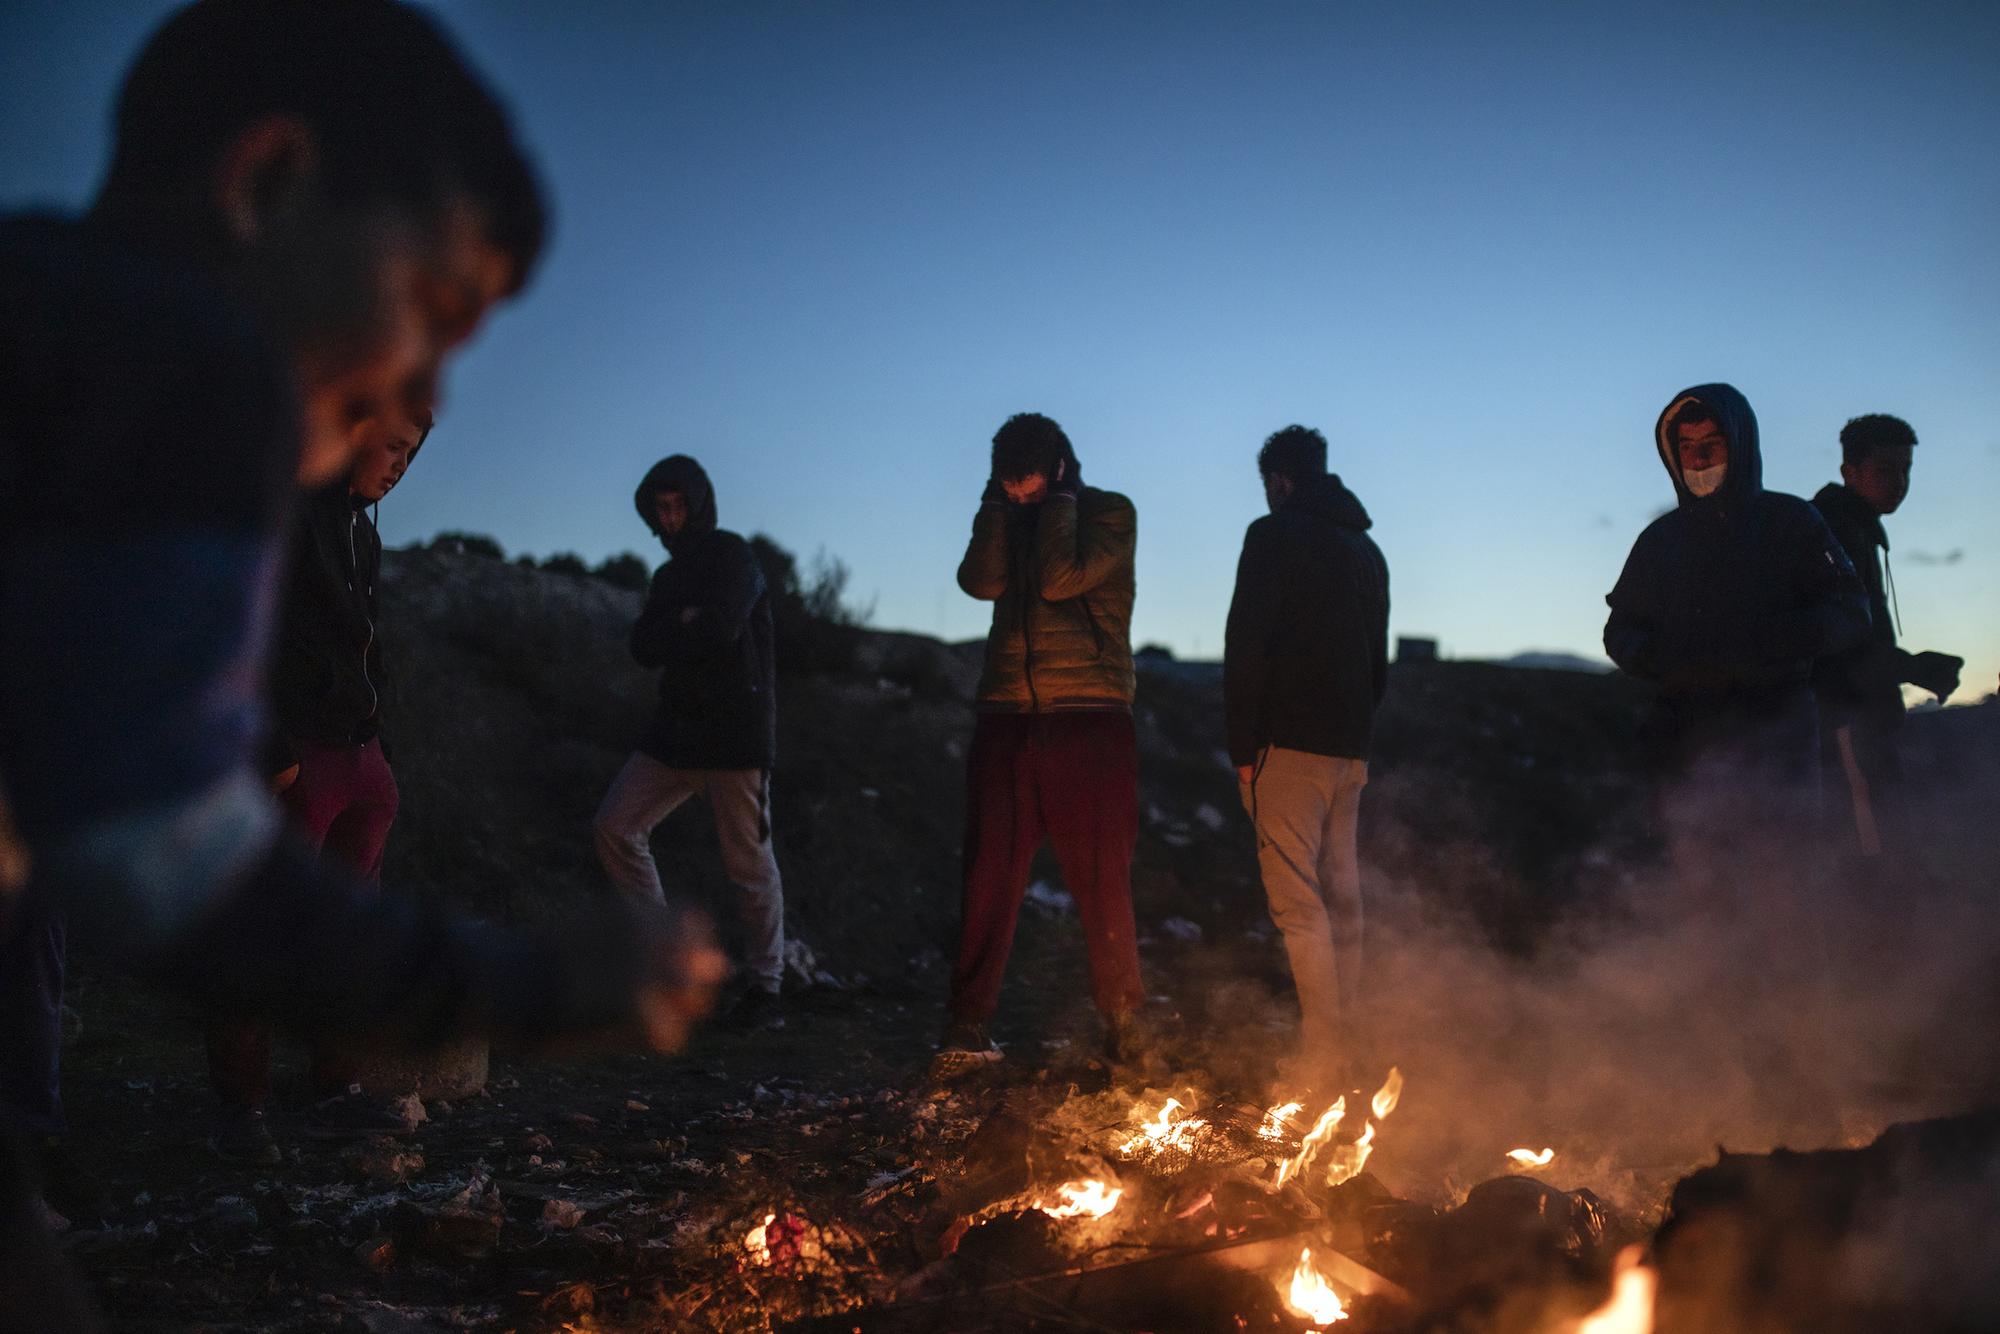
x: 1861, y: 690
x: 327, y: 763
x: 706, y: 626
x: 1305, y: 663
x: 1724, y: 604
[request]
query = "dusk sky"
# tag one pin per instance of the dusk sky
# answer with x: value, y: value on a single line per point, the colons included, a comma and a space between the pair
x: 827, y: 248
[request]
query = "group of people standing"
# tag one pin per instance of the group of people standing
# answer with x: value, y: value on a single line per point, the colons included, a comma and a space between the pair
x: 309, y: 207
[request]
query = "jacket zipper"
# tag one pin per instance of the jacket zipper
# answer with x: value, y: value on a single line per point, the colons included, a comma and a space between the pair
x: 353, y: 571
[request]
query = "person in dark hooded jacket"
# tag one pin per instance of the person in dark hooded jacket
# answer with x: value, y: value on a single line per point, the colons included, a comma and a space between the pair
x: 1305, y: 662
x: 326, y: 760
x: 706, y: 626
x: 1861, y: 690
x: 1725, y: 603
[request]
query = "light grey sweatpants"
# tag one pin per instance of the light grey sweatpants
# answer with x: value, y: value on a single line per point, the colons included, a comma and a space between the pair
x: 1305, y: 808
x: 646, y: 792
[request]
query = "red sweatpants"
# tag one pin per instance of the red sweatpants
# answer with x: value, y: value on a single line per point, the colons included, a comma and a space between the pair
x: 343, y: 802
x: 1073, y: 777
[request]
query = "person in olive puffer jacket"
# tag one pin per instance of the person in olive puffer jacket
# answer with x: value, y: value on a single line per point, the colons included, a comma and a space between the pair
x: 1053, y: 750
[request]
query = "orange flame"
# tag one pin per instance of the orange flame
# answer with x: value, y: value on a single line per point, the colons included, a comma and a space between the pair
x: 1311, y: 1296
x: 1629, y: 1309
x: 1386, y: 1097
x: 1528, y: 1159
x: 755, y: 1242
x: 1082, y: 1199
x: 1322, y: 1131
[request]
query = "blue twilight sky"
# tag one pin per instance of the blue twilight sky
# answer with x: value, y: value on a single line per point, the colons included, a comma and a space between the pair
x: 827, y: 248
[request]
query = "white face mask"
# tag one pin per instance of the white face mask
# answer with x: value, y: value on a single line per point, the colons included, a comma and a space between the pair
x: 1705, y: 481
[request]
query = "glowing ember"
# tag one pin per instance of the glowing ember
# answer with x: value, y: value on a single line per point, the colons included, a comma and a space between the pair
x: 1529, y: 1159
x: 1322, y: 1131
x: 755, y: 1242
x: 1629, y: 1309
x: 1386, y: 1097
x: 1275, y: 1118
x: 1082, y: 1199
x: 1311, y: 1295
x: 1163, y: 1132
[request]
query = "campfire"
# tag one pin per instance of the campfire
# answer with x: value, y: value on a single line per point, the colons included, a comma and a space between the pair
x: 1173, y: 1209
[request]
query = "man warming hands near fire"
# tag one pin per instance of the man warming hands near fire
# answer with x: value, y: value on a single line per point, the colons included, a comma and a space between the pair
x: 1053, y: 750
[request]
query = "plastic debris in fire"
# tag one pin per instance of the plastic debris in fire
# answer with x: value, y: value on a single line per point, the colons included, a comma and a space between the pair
x: 1163, y: 1133
x: 1311, y: 1296
x: 1275, y: 1119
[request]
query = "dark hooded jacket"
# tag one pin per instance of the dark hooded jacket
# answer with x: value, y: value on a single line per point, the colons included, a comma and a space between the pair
x: 1305, y: 659
x: 1862, y: 686
x: 707, y: 626
x: 1726, y: 600
x: 327, y: 681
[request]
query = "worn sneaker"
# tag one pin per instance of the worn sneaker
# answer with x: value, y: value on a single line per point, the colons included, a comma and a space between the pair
x: 240, y: 1136
x: 358, y: 1115
x: 756, y: 1010
x: 965, y: 1048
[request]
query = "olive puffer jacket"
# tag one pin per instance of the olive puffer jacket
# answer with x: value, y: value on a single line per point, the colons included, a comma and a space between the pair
x: 1059, y: 575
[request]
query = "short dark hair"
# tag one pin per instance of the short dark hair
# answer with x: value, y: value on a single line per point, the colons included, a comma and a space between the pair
x: 1864, y: 435
x: 1691, y: 413
x: 1028, y: 445
x: 400, y: 119
x: 1296, y: 453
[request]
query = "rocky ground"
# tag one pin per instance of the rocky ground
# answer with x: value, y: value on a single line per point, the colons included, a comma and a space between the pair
x: 1535, y: 979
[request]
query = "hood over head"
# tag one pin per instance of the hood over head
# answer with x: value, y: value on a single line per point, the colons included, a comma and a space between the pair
x: 677, y: 472
x: 1745, y: 473
x: 1327, y: 497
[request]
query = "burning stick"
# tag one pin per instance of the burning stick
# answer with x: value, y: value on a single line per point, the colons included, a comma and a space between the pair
x: 1528, y: 1160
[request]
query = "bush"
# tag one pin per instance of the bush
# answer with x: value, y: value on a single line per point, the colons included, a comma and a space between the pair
x: 815, y: 627
x: 566, y: 562
x: 625, y: 570
x: 468, y: 544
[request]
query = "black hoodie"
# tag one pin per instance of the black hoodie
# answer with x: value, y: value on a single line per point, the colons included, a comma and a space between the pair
x: 1726, y: 599
x: 327, y: 680
x: 1306, y: 657
x: 707, y: 626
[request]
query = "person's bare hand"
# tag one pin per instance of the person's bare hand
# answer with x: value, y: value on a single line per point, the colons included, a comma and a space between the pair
x: 686, y: 968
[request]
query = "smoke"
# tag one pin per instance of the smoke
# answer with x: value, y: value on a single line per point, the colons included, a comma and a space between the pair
x: 1748, y: 990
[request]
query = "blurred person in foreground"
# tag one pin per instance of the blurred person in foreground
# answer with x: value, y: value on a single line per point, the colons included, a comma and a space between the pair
x: 706, y: 627
x: 1725, y: 603
x: 307, y: 206
x: 1305, y: 662
x: 1053, y: 750
x: 1861, y: 690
